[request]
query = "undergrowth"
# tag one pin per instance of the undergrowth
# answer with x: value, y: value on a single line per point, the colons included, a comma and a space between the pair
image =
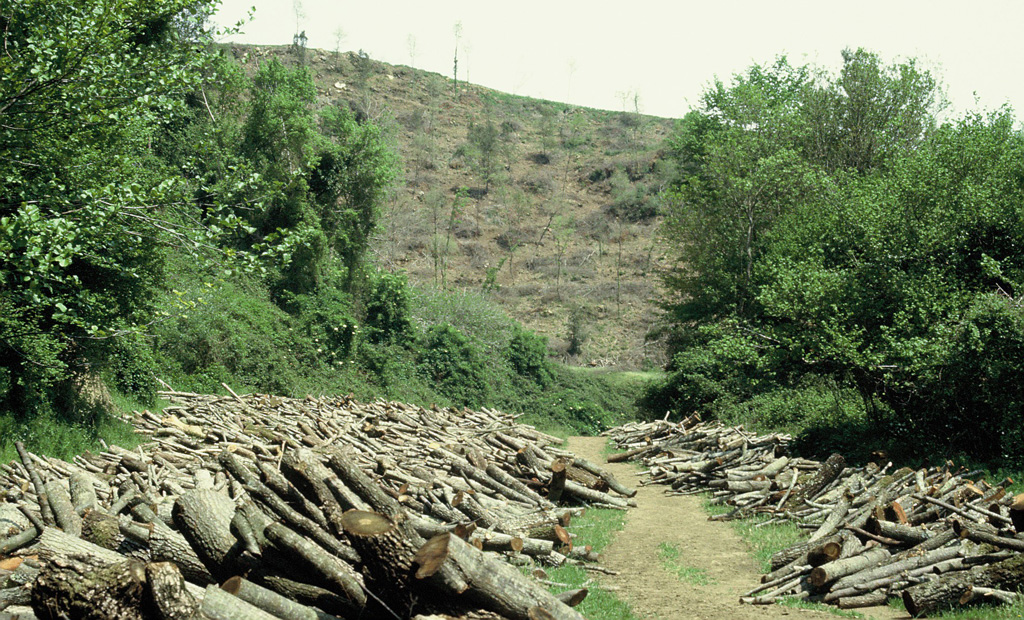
x: 595, y: 528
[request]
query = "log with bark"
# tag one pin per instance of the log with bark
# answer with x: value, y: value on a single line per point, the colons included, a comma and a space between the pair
x: 261, y: 494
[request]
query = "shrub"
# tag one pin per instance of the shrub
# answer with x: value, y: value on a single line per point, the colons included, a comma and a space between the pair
x: 131, y: 368
x: 453, y: 363
x: 527, y: 355
x: 387, y: 310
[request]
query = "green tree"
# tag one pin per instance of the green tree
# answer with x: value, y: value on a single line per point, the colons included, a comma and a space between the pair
x: 85, y: 90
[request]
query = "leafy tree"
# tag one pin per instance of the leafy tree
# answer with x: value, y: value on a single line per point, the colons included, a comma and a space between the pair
x: 85, y: 90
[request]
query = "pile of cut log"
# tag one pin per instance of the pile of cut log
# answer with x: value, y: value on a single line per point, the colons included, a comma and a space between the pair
x: 936, y: 537
x: 262, y: 507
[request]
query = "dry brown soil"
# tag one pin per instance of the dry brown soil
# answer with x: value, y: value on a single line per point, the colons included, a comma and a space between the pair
x: 653, y: 591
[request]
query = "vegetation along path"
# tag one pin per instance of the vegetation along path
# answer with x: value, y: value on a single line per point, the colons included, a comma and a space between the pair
x: 675, y: 564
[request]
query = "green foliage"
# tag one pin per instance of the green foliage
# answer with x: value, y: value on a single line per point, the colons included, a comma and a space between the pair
x: 85, y: 89
x: 669, y: 555
x: 450, y: 361
x: 528, y: 355
x: 233, y: 335
x: 387, y: 310
x: 840, y: 246
x: 132, y: 369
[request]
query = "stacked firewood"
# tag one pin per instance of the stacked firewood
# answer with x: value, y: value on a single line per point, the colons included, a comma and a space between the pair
x: 262, y: 507
x: 935, y: 537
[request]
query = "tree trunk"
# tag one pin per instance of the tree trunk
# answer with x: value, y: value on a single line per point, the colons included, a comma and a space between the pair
x: 204, y: 517
x: 89, y: 588
x: 167, y: 597
x: 492, y: 584
x: 947, y: 590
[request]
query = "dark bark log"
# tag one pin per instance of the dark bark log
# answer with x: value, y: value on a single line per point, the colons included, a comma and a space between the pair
x: 308, y: 473
x: 947, y: 590
x: 105, y: 530
x: 283, y: 488
x: 608, y: 478
x: 978, y: 534
x: 80, y: 586
x: 829, y: 471
x: 556, y: 485
x: 338, y: 576
x: 204, y: 518
x: 167, y: 545
x: 389, y: 560
x: 166, y: 596
x: 272, y: 602
x: 573, y: 598
x: 290, y: 516
x: 306, y: 594
x: 792, y: 554
x: 354, y: 478
x: 1017, y: 513
x: 493, y: 584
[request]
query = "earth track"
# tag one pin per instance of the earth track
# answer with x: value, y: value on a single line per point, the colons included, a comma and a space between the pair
x: 713, y: 547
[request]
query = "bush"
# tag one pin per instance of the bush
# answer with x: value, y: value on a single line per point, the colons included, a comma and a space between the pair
x: 387, y: 310
x: 452, y: 362
x: 131, y: 368
x: 234, y: 334
x: 528, y: 355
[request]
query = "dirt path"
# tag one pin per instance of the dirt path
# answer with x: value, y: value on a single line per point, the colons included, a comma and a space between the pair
x: 713, y: 547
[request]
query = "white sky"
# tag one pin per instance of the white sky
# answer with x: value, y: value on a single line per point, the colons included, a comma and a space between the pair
x: 665, y: 51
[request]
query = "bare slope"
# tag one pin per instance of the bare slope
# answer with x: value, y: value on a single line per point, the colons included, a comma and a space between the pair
x: 553, y: 220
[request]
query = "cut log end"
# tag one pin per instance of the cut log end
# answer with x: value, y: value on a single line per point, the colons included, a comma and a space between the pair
x: 431, y: 556
x: 363, y: 523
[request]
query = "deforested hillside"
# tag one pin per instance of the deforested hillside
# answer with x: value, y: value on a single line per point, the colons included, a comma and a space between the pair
x: 550, y: 209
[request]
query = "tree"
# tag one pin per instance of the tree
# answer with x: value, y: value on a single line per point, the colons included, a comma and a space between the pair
x: 457, y: 31
x: 85, y: 90
x: 740, y: 170
x: 833, y: 236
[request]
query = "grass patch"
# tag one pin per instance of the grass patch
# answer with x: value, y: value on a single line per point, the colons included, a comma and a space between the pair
x: 669, y: 555
x: 764, y: 540
x: 595, y: 528
x: 44, y: 434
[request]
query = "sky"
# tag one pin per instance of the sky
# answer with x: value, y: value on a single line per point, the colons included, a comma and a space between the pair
x: 658, y: 54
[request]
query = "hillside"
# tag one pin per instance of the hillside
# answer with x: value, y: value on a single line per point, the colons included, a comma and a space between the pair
x: 557, y: 213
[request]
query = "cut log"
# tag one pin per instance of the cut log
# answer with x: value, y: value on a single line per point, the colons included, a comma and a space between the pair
x: 80, y: 586
x: 204, y: 518
x: 166, y: 596
x: 220, y: 605
x: 556, y: 485
x: 339, y: 576
x: 947, y: 590
x: 63, y: 511
x: 827, y: 573
x: 272, y: 602
x: 829, y: 471
x: 494, y: 585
